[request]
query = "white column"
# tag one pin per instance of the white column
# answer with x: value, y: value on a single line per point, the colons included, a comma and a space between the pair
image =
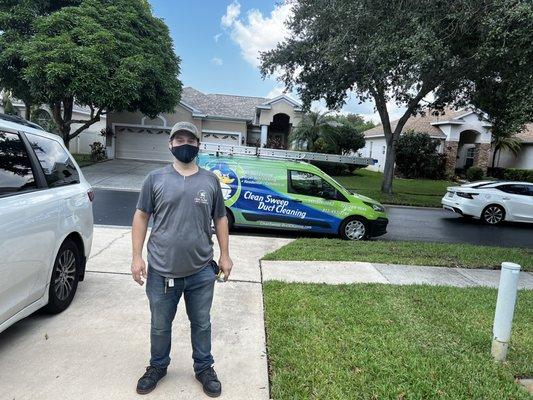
x: 264, y: 133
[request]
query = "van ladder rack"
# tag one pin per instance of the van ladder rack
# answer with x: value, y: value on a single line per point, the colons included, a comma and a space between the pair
x: 262, y: 152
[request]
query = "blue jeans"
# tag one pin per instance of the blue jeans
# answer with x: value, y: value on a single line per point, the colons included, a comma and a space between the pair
x: 197, y: 291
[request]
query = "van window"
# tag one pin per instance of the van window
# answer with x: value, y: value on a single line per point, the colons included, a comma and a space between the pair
x: 309, y: 184
x: 16, y: 174
x: 58, y: 168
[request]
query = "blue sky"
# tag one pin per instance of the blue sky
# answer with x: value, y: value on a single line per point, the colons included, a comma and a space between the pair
x: 219, y: 41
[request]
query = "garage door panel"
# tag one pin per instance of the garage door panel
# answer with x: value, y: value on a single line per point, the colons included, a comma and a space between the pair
x: 142, y: 144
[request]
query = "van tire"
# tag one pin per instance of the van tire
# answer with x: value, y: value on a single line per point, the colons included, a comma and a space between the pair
x: 66, y: 266
x: 231, y: 219
x: 354, y: 228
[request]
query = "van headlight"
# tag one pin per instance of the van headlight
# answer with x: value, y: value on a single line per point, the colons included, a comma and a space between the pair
x: 375, y: 207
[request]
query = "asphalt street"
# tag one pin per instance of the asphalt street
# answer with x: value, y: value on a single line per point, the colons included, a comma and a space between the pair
x: 112, y: 207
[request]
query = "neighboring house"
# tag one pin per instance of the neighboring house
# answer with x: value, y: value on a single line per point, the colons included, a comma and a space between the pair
x: 81, y: 143
x: 524, y: 159
x: 238, y: 120
x: 464, y: 136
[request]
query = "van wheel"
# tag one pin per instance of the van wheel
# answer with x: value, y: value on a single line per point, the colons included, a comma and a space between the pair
x: 64, y: 280
x: 354, y: 228
x: 493, y: 214
x: 231, y: 219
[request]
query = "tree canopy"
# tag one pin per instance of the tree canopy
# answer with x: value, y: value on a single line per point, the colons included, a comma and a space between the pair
x: 399, y: 51
x: 102, y: 54
x: 17, y: 19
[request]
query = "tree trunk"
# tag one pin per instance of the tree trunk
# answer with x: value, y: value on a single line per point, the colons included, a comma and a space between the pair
x: 494, y: 156
x: 27, y: 110
x: 388, y: 171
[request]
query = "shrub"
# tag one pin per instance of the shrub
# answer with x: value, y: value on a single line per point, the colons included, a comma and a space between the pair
x: 515, y: 174
x: 97, y: 151
x: 474, y: 174
x: 417, y: 157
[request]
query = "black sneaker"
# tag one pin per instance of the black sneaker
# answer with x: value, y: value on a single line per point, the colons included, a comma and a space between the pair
x: 210, y: 382
x: 149, y: 380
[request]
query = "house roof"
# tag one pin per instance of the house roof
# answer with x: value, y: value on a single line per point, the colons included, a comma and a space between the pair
x: 221, y: 105
x: 421, y: 123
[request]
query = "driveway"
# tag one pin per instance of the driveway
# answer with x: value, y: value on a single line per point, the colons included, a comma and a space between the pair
x: 120, y: 174
x: 98, y: 348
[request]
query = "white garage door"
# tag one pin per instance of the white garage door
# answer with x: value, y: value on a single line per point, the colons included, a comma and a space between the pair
x: 142, y: 143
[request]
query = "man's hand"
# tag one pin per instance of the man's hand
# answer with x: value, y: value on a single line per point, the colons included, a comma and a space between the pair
x: 225, y: 264
x: 138, y: 270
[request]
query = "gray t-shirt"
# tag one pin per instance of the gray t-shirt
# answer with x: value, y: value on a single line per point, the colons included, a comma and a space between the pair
x: 183, y: 208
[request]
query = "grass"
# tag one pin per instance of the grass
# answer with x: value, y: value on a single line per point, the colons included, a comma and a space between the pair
x: 371, y: 341
x: 409, y: 192
x: 409, y: 253
x: 83, y: 160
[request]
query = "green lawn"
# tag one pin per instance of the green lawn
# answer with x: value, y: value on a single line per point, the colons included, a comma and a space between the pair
x: 391, y: 342
x: 410, y: 192
x: 83, y: 160
x: 410, y: 253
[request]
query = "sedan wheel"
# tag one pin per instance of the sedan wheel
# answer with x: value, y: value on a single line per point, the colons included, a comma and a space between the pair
x: 493, y: 215
x: 354, y: 229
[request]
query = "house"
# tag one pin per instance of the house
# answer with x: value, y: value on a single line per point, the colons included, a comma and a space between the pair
x: 221, y: 118
x: 81, y: 143
x: 464, y: 137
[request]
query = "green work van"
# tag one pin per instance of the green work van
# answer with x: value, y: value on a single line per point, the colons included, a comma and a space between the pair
x: 295, y: 195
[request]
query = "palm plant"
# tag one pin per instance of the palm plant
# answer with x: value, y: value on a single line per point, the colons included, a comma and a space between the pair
x: 314, y: 124
x: 507, y: 142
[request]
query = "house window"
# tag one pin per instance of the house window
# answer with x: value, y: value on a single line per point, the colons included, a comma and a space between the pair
x: 383, y: 150
x: 370, y: 154
x: 470, y: 157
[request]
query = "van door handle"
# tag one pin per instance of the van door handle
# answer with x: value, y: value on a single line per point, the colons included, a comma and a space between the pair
x: 297, y: 201
x: 506, y: 198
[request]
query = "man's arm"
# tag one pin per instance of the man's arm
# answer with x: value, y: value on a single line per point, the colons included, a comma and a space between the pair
x: 138, y: 234
x: 222, y: 231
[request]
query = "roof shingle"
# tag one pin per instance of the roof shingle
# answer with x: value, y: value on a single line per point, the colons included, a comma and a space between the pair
x: 222, y: 105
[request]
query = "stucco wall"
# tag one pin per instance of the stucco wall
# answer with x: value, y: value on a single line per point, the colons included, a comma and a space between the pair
x: 524, y: 159
x: 473, y: 123
x: 164, y: 119
x: 280, y: 107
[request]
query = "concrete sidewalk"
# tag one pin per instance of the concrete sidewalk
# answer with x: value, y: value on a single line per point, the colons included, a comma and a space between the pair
x: 99, y: 347
x: 334, y: 272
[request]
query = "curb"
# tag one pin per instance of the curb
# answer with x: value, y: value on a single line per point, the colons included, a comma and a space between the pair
x: 412, y: 207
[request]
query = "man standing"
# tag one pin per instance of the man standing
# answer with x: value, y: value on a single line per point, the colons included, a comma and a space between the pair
x: 183, y: 200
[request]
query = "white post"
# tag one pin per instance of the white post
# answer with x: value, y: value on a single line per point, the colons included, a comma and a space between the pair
x: 505, y: 305
x: 264, y: 134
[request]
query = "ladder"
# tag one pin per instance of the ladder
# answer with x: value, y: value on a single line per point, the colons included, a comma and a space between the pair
x: 262, y: 152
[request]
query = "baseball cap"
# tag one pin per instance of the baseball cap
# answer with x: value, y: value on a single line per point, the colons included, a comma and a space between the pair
x: 184, y: 127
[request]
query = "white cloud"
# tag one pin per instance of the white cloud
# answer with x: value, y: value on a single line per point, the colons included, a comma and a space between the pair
x: 232, y: 13
x: 217, y: 61
x: 256, y: 32
x: 217, y: 36
x: 275, y: 92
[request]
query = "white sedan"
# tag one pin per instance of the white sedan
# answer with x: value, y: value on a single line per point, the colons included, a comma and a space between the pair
x: 492, y: 202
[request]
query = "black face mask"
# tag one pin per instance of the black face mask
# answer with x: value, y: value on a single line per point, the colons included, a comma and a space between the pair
x: 185, y: 153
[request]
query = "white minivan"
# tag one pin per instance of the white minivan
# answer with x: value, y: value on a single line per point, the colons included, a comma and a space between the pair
x: 46, y: 223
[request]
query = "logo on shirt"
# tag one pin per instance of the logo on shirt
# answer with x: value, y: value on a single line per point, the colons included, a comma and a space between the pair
x: 201, y: 197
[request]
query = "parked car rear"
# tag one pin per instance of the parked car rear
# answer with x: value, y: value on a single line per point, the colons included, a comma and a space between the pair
x: 46, y: 223
x: 492, y: 202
